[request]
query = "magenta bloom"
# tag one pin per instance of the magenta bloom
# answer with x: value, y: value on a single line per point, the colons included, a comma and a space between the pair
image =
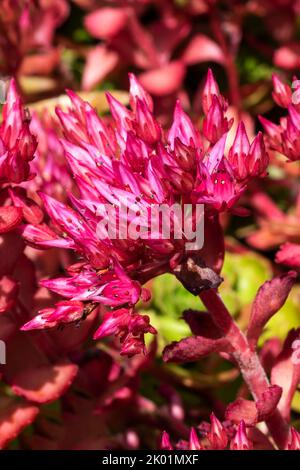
x: 52, y: 175
x: 27, y: 33
x: 133, y: 162
x: 284, y: 137
x: 240, y: 440
x: 214, y: 436
x: 17, y: 144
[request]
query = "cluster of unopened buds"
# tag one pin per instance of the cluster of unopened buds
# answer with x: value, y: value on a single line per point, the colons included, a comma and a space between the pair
x: 218, y: 436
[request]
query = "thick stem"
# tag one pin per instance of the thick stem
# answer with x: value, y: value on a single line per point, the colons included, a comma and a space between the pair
x: 247, y: 360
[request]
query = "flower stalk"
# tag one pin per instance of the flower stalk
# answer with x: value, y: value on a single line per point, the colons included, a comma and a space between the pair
x: 247, y: 360
x: 229, y: 63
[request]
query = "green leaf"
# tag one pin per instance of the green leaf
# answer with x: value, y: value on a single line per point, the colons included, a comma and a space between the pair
x: 245, y: 273
x: 296, y: 403
x: 170, y: 298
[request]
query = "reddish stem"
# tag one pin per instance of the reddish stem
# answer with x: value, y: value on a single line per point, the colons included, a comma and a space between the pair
x: 247, y: 360
x: 229, y: 62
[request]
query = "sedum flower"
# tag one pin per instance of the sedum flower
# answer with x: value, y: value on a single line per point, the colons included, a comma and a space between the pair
x: 17, y: 144
x: 132, y: 163
x: 294, y: 441
x: 212, y: 437
x: 17, y: 149
x: 240, y: 440
x: 217, y: 435
x: 284, y: 137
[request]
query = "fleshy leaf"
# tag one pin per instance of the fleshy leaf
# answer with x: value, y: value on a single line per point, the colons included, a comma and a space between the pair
x: 269, y: 299
x: 242, y: 409
x: 44, y: 383
x: 194, y: 348
x: 14, y: 417
x: 10, y: 217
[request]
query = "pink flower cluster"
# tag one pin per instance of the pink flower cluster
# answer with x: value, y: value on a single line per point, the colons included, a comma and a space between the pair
x: 17, y: 143
x: 220, y: 436
x: 134, y: 162
x: 284, y: 137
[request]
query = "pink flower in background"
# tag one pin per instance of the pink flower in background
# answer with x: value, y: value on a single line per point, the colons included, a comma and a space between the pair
x: 284, y: 137
x: 17, y: 143
x: 26, y: 35
x: 17, y: 149
x: 126, y: 41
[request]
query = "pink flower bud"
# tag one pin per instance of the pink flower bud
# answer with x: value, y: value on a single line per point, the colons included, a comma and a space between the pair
x: 217, y: 435
x: 238, y: 153
x: 294, y: 440
x: 215, y: 124
x: 138, y: 92
x: 258, y: 158
x: 240, y: 440
x: 282, y: 94
x: 148, y: 128
x: 194, y: 443
x: 211, y: 90
x: 165, y: 443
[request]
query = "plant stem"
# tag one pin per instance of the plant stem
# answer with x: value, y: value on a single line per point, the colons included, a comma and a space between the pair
x: 229, y: 63
x: 247, y: 360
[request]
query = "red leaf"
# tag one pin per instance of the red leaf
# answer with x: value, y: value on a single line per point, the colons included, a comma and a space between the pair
x: 252, y: 412
x: 40, y: 63
x: 10, y: 217
x: 289, y: 254
x: 268, y: 401
x: 105, y: 23
x: 242, y: 410
x: 269, y: 299
x: 194, y: 348
x: 14, y: 417
x: 164, y: 80
x: 93, y: 74
x: 202, y: 49
x: 44, y: 383
x: 288, y: 56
